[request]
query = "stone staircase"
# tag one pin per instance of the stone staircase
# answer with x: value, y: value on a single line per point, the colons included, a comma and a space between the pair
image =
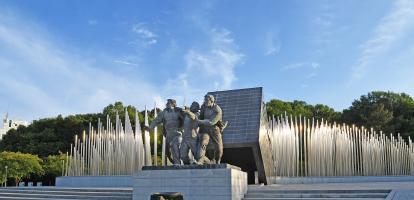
x: 269, y: 193
x: 253, y: 193
x: 65, y: 193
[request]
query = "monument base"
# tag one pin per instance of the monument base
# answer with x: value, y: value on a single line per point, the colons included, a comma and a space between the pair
x: 201, y: 182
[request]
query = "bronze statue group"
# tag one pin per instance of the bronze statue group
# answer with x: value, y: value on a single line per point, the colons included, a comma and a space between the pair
x: 196, y: 128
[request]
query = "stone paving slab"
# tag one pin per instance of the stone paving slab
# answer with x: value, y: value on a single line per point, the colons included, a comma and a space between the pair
x: 400, y: 190
x: 338, y: 186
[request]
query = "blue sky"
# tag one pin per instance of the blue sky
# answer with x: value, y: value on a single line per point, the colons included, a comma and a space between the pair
x: 66, y: 57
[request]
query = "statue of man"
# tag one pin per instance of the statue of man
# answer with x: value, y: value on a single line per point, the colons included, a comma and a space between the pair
x: 190, y: 135
x: 172, y: 119
x: 210, y: 131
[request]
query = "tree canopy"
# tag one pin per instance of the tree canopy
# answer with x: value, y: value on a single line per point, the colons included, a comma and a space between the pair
x: 277, y: 107
x: 50, y: 136
x: 383, y: 111
x: 53, y: 166
x: 47, y: 136
x: 20, y: 165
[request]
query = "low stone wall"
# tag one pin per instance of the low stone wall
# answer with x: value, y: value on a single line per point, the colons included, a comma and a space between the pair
x: 341, y: 179
x: 194, y: 182
x: 94, y: 181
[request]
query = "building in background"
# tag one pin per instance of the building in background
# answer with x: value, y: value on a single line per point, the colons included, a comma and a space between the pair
x: 10, y: 124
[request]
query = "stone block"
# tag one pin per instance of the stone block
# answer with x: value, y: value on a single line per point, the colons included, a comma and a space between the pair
x: 193, y: 182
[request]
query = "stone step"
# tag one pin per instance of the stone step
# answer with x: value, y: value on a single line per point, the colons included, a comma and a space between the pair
x: 63, y: 192
x: 277, y: 191
x: 62, y: 196
x: 28, y: 198
x: 32, y: 193
x: 66, y: 189
x: 313, y: 198
x: 273, y: 193
x: 319, y: 195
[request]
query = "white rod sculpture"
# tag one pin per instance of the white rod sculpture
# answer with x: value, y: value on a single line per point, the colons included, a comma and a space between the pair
x: 110, y: 151
x: 306, y: 147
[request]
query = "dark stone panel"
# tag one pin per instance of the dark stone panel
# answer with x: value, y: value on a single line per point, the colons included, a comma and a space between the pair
x: 244, y: 146
x: 241, y: 108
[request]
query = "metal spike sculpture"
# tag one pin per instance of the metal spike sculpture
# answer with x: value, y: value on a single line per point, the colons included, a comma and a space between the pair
x: 305, y: 147
x: 111, y: 150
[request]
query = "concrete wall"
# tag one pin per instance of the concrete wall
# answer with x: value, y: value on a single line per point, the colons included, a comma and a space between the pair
x: 94, y: 181
x: 193, y: 184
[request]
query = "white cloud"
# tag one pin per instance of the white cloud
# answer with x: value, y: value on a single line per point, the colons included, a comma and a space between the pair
x: 294, y: 66
x: 272, y: 44
x: 92, y: 22
x: 41, y: 77
x: 146, y: 36
x: 125, y: 62
x: 315, y: 65
x: 208, y: 70
x: 46, y: 77
x: 219, y: 62
x: 311, y: 75
x: 323, y: 25
x: 308, y: 69
x: 390, y: 30
x: 298, y: 65
x: 324, y: 20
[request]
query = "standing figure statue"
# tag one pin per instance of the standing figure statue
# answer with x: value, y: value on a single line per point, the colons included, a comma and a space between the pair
x: 190, y: 135
x: 172, y: 119
x: 211, y: 126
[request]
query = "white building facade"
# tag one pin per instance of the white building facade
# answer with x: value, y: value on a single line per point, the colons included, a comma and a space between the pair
x: 10, y: 124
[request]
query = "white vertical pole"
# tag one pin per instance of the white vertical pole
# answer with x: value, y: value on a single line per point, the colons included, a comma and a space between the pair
x: 147, y: 146
x: 163, y: 158
x: 155, y: 138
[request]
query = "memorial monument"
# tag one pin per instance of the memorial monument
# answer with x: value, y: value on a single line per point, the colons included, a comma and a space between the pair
x: 206, y: 178
x: 231, y: 127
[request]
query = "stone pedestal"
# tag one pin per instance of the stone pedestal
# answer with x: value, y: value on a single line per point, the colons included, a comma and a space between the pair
x: 201, y: 182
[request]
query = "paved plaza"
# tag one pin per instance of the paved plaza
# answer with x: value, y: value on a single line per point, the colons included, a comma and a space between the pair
x: 399, y: 190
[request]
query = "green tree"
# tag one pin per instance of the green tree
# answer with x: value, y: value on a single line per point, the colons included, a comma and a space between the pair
x: 320, y: 111
x: 277, y: 107
x: 118, y: 108
x: 49, y: 136
x: 383, y: 111
x: 53, y: 166
x: 20, y: 165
